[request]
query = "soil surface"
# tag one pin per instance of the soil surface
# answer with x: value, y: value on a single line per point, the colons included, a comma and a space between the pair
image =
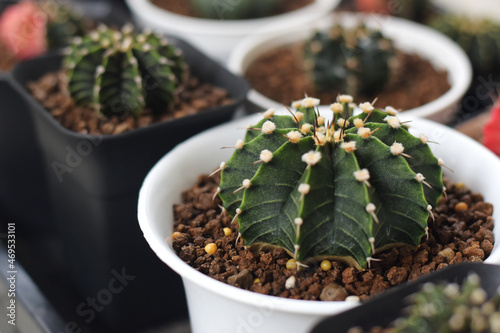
x: 279, y: 75
x: 51, y: 91
x: 183, y: 7
x: 461, y: 232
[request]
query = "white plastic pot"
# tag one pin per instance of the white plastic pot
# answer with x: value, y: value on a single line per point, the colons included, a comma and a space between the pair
x: 217, y: 37
x: 475, y: 9
x: 218, y: 307
x: 411, y: 37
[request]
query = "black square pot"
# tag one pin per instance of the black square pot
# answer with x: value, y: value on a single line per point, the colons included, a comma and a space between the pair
x: 94, y: 183
x: 387, y: 307
x: 23, y: 189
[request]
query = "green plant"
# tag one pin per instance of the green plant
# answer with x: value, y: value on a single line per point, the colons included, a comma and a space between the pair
x: 29, y: 28
x: 234, y: 10
x: 449, y: 308
x: 62, y: 23
x: 119, y: 72
x: 343, y: 189
x: 480, y: 39
x: 416, y: 10
x: 355, y: 61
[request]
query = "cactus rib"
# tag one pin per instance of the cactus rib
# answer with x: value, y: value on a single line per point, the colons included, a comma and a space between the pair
x: 331, y: 190
x: 351, y: 60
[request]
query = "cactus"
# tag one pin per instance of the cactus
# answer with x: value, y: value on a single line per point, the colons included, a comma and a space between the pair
x: 342, y: 190
x: 30, y: 28
x: 449, y: 308
x: 62, y: 23
x: 415, y: 10
x: 234, y: 10
x: 355, y: 61
x: 121, y: 73
x: 480, y: 39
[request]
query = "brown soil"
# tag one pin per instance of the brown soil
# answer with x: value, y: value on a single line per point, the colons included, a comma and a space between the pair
x: 279, y: 75
x: 51, y: 91
x: 454, y: 237
x: 183, y: 7
x: 7, y: 59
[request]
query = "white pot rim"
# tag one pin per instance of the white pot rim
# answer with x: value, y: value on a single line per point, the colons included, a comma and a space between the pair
x: 165, y: 252
x: 209, y: 27
x: 460, y: 78
x: 482, y: 9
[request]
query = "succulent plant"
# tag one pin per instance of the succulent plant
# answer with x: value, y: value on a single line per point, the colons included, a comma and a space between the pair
x: 63, y: 23
x: 343, y: 189
x: 30, y: 28
x: 355, y: 61
x: 480, y: 39
x: 234, y: 10
x: 449, y: 308
x: 120, y: 73
x: 416, y: 10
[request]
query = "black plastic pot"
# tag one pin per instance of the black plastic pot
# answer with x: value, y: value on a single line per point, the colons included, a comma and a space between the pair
x: 94, y: 183
x: 383, y: 309
x: 23, y: 187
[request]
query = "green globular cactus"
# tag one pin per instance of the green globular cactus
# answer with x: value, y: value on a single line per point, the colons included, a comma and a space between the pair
x: 450, y: 308
x: 121, y: 73
x: 354, y: 61
x: 234, y: 10
x: 479, y: 38
x: 341, y: 190
x: 62, y: 23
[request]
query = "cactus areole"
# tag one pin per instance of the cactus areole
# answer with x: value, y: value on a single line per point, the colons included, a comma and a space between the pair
x: 120, y: 73
x: 342, y: 189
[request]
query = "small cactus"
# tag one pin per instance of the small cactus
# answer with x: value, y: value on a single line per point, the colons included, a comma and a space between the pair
x: 234, y: 10
x: 121, y: 73
x: 63, y: 23
x: 449, y: 308
x: 30, y: 28
x: 415, y: 10
x: 355, y: 61
x: 479, y: 38
x: 341, y: 190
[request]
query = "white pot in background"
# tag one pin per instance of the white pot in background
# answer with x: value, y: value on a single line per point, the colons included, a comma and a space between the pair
x: 216, y: 307
x: 217, y: 37
x: 475, y: 9
x: 408, y: 36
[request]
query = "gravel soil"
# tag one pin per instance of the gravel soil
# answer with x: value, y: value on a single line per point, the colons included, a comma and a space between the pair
x: 279, y: 75
x: 51, y: 91
x: 460, y: 232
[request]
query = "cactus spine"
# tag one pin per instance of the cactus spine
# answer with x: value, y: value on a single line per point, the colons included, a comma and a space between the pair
x: 341, y: 190
x: 234, y: 10
x: 355, y: 61
x: 480, y: 39
x: 121, y: 73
